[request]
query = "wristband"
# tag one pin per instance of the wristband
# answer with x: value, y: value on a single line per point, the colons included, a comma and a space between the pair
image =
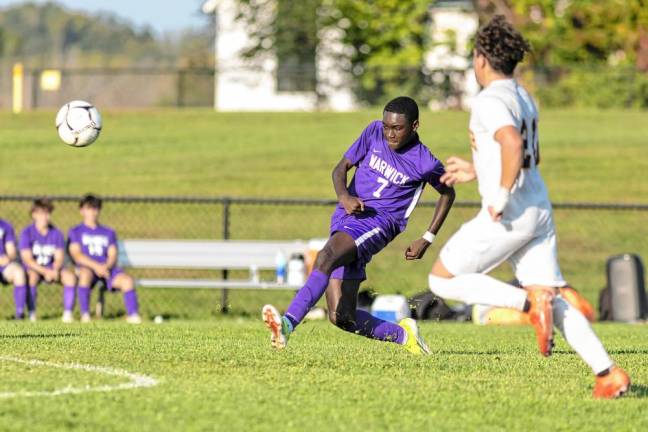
x: 428, y: 236
x: 501, y: 200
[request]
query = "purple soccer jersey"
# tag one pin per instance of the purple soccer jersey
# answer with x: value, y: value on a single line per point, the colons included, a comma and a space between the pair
x: 41, y: 246
x: 7, y: 235
x: 391, y: 182
x: 94, y: 242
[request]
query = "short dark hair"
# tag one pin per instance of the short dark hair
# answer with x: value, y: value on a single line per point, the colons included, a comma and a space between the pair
x: 90, y: 200
x: 404, y: 105
x: 43, y: 204
x: 501, y: 44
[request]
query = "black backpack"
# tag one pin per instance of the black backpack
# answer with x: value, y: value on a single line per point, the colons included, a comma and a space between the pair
x: 427, y: 306
x: 624, y: 297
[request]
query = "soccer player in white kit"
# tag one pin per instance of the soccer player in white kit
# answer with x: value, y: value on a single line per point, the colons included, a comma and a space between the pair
x: 515, y: 223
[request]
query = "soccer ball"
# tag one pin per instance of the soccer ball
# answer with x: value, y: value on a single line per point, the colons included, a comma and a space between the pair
x: 78, y: 123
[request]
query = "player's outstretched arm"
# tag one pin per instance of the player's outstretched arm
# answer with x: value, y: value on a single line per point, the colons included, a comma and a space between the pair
x: 458, y: 171
x: 510, y: 140
x: 352, y: 205
x: 418, y: 247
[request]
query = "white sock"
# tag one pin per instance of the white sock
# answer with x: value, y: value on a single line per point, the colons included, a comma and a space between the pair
x: 478, y: 288
x: 579, y: 334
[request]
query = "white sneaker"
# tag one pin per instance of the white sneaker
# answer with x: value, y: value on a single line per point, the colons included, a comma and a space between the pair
x: 278, y: 325
x: 134, y: 319
x: 32, y: 316
x: 85, y: 318
x: 67, y: 317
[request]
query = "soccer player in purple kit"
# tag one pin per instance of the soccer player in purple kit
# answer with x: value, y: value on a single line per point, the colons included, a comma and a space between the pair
x: 392, y: 168
x: 93, y: 248
x: 42, y: 250
x: 10, y: 270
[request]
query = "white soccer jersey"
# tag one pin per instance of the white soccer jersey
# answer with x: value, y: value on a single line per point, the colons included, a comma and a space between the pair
x: 526, y: 235
x: 505, y: 103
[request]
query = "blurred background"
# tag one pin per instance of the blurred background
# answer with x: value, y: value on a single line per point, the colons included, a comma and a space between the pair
x: 313, y: 54
x: 259, y: 98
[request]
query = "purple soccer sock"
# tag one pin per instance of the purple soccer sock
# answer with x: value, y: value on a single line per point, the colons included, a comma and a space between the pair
x: 20, y: 299
x: 130, y: 302
x: 375, y: 328
x: 68, y: 298
x: 31, y: 298
x: 84, y: 299
x: 307, y: 296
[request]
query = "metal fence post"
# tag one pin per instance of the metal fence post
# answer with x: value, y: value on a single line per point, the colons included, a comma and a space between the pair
x: 34, y: 88
x: 226, y: 216
x: 181, y: 88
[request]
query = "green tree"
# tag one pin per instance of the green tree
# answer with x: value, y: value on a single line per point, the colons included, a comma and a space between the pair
x: 592, y: 53
x: 49, y: 35
x: 385, y: 40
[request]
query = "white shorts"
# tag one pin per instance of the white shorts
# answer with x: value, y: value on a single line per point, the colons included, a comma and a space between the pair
x: 528, y: 243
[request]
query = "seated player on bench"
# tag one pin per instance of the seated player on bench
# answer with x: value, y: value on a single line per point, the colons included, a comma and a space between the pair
x: 93, y: 248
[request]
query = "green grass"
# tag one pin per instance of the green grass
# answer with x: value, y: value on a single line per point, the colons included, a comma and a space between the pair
x: 586, y: 156
x: 222, y: 375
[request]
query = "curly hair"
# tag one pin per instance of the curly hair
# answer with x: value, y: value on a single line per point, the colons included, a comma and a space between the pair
x: 501, y: 44
x: 403, y: 105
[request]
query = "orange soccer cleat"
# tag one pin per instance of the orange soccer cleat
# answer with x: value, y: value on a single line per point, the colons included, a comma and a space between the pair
x: 579, y: 302
x: 541, y: 318
x: 612, y: 385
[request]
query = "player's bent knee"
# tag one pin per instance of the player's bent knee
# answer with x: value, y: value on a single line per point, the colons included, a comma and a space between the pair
x: 342, y: 321
x: 325, y: 260
x: 439, y: 285
x: 67, y: 277
x: 85, y: 276
x: 33, y: 277
x: 125, y: 283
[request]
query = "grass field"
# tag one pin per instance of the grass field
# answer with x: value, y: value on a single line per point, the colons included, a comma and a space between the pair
x: 586, y: 156
x: 596, y: 156
x: 222, y: 375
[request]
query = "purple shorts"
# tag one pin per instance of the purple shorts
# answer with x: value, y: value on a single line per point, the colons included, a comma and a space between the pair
x: 3, y: 281
x: 114, y: 272
x: 371, y: 232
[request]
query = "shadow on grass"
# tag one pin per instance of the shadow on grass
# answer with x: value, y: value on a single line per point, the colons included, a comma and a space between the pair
x: 629, y: 351
x: 489, y: 353
x: 612, y: 352
x: 38, y: 335
x: 638, y: 391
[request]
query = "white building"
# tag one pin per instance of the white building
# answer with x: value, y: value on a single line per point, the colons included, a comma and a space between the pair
x: 241, y: 85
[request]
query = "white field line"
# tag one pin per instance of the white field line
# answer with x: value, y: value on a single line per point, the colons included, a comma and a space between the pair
x: 135, y: 380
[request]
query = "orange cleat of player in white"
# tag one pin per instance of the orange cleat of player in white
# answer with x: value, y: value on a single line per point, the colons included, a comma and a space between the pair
x: 541, y: 318
x: 611, y: 385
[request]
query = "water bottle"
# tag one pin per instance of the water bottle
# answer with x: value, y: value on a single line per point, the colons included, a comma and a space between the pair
x: 280, y: 267
x: 296, y: 270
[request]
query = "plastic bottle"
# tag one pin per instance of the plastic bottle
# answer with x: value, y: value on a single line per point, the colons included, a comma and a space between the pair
x: 296, y: 270
x: 280, y: 267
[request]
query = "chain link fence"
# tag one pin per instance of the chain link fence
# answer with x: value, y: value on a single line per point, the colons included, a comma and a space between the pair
x: 587, y: 234
x: 114, y: 87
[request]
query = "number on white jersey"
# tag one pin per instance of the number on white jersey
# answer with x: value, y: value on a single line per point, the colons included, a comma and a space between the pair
x: 531, y: 144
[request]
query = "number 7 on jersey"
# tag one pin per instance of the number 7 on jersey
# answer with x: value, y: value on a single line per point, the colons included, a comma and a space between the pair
x: 383, y: 184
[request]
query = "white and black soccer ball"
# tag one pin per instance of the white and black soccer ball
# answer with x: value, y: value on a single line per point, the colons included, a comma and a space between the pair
x: 78, y: 123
